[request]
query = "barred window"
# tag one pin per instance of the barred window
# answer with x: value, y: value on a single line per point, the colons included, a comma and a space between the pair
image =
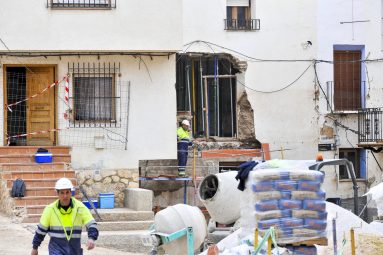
x: 94, y: 97
x: 89, y: 4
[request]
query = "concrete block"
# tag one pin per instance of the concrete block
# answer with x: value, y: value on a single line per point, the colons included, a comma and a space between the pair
x: 138, y: 199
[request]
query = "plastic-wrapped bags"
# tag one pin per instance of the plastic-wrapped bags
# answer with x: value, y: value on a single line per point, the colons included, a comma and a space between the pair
x: 291, y: 201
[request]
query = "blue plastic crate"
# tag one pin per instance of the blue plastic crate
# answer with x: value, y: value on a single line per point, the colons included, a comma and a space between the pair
x: 87, y: 204
x: 43, y: 157
x: 106, y: 200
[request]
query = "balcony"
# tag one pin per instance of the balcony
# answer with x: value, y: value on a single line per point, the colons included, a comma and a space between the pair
x: 242, y: 24
x: 81, y: 4
x: 370, y: 127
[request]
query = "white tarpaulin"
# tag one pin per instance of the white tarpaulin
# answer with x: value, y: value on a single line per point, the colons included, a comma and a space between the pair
x: 237, y: 2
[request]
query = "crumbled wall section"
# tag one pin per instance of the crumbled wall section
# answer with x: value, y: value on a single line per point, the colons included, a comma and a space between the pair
x: 246, y: 130
x: 108, y: 181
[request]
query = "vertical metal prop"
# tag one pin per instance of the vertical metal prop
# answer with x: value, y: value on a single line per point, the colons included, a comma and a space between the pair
x: 188, y: 83
x: 206, y: 112
x: 202, y: 102
x: 334, y: 236
x: 256, y: 233
x: 352, y: 232
x: 269, y: 242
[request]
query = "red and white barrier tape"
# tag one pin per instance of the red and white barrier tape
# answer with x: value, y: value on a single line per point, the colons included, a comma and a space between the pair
x: 66, y: 79
x: 36, y: 133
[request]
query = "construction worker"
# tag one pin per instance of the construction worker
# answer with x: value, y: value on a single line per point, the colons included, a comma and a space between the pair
x: 63, y: 221
x: 183, y: 142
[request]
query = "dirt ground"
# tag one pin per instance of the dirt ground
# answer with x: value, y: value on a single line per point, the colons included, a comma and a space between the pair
x: 16, y: 239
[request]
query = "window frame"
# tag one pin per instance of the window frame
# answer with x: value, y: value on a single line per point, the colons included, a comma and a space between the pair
x: 81, y: 4
x: 113, y: 117
x: 359, y: 163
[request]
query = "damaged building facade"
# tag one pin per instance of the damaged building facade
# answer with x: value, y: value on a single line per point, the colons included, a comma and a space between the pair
x: 293, y: 75
x: 312, y: 78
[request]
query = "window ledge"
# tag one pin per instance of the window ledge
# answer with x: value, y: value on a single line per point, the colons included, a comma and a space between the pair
x: 349, y: 180
x: 342, y: 112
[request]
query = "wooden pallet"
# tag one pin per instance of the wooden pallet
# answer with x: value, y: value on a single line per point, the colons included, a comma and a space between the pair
x: 310, y: 242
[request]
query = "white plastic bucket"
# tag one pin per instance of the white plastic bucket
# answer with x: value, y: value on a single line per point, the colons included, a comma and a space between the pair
x: 177, y: 217
x: 221, y: 197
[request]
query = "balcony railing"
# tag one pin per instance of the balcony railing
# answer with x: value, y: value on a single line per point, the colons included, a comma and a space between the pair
x: 242, y: 24
x: 343, y: 96
x: 370, y: 125
x: 81, y: 4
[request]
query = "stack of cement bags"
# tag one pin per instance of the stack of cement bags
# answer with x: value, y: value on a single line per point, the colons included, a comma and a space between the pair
x: 291, y: 201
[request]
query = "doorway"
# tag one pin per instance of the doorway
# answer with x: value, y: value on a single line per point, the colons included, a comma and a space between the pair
x: 27, y: 113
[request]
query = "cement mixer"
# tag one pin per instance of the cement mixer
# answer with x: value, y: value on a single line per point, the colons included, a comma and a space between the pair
x: 178, y: 229
x: 219, y: 194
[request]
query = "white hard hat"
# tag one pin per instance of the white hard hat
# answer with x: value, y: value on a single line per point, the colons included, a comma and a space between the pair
x: 64, y: 183
x: 185, y: 122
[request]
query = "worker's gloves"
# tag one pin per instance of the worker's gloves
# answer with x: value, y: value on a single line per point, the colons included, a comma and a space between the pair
x: 90, y: 245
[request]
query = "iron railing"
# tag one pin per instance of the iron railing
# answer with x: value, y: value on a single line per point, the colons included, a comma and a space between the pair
x: 343, y: 96
x: 370, y: 125
x: 81, y: 4
x: 95, y: 101
x: 242, y: 24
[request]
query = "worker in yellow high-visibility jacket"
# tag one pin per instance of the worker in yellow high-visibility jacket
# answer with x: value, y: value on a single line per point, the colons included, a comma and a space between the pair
x: 63, y: 221
x: 183, y: 142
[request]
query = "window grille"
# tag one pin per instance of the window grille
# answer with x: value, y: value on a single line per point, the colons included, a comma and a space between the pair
x: 79, y: 4
x: 95, y: 97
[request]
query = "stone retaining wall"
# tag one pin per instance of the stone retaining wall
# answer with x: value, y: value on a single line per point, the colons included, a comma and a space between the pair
x: 108, y: 181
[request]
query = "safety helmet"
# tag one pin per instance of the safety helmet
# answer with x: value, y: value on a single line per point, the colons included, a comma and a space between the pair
x: 185, y: 122
x: 64, y: 183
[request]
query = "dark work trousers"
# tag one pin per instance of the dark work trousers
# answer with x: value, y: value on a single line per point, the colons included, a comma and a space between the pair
x: 182, y: 154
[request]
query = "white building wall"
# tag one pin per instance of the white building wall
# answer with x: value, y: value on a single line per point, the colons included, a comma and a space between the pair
x: 284, y: 27
x: 134, y: 25
x: 292, y: 118
x: 367, y: 32
x: 152, y: 113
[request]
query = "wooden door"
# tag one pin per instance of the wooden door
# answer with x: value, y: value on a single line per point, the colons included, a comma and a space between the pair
x: 40, y: 109
x: 347, y: 79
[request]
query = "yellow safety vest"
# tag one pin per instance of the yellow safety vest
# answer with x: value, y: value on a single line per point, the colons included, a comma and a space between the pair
x: 182, y: 134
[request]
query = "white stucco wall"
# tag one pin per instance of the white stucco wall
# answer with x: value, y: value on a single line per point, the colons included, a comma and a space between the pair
x: 152, y: 114
x: 367, y: 33
x: 284, y: 27
x: 292, y: 118
x: 134, y: 25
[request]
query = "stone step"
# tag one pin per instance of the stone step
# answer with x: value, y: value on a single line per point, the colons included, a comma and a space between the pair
x: 124, y: 214
x: 124, y: 225
x: 35, y: 209
x: 30, y: 158
x: 35, y: 200
x: 44, y: 174
x: 127, y: 241
x: 6, y: 150
x: 39, y: 182
x: 41, y: 191
x: 33, y: 166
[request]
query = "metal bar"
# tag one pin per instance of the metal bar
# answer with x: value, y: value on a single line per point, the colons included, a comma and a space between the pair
x: 188, y: 87
x: 190, y: 240
x: 127, y: 119
x: 206, y: 111
x: 352, y: 233
x: 202, y: 101
x: 334, y: 236
x: 231, y: 106
x: 217, y: 100
x: 219, y: 76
